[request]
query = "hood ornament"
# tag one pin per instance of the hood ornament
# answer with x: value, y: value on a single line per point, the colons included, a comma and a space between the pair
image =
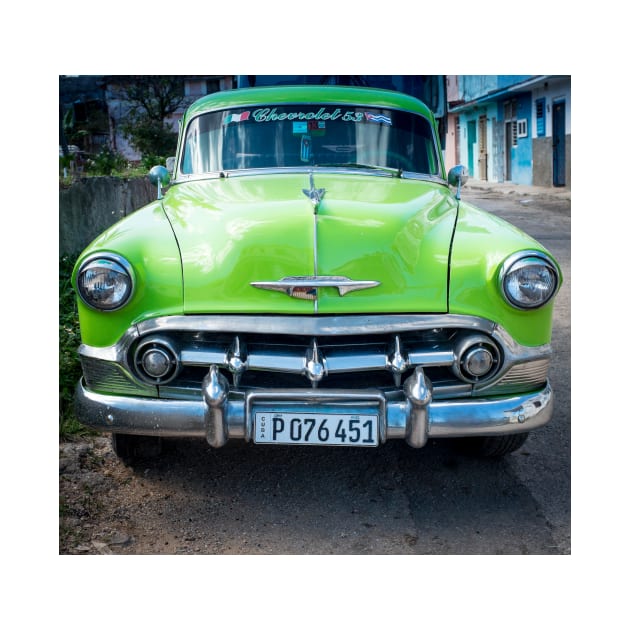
x: 305, y: 287
x: 314, y: 194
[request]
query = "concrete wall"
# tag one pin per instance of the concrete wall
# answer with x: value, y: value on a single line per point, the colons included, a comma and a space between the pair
x: 543, y: 162
x: 93, y: 204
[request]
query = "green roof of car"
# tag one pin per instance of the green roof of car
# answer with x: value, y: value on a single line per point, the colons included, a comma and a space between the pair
x: 246, y: 97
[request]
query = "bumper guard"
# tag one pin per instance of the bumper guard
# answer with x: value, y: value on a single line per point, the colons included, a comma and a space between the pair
x: 221, y: 414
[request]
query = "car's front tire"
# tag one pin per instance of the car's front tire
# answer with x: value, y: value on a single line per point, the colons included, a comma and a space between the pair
x: 133, y: 448
x: 491, y: 446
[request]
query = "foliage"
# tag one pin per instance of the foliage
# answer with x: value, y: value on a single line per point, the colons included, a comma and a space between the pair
x: 69, y: 340
x: 150, y: 137
x: 93, y: 120
x: 106, y: 162
x: 129, y: 171
x: 65, y: 170
x: 152, y: 100
x: 65, y: 161
x: 149, y: 161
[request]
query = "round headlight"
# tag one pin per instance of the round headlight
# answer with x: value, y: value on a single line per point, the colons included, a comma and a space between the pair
x: 529, y: 280
x: 105, y: 283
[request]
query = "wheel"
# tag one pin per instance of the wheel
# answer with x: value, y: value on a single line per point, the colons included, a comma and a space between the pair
x: 495, y: 446
x: 133, y: 448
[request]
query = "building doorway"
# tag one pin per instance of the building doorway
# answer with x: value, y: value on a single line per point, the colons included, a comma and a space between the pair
x: 508, y: 151
x: 472, y: 140
x: 558, y: 123
x: 483, y: 147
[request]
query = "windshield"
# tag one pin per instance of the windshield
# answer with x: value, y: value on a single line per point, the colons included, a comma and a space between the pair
x: 309, y: 135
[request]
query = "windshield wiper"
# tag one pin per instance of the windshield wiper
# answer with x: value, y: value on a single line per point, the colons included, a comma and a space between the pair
x: 394, y: 171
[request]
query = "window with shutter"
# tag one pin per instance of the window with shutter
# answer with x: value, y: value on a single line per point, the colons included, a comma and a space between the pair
x: 509, y: 112
x: 514, y: 133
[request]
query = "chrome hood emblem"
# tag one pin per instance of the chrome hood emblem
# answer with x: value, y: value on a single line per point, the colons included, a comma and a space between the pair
x: 305, y: 287
x: 314, y: 194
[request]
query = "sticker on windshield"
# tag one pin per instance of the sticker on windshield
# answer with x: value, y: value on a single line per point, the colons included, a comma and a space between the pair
x: 305, y: 149
x: 268, y: 114
x: 313, y: 122
x: 230, y: 118
x: 378, y: 118
x: 314, y: 127
x: 317, y: 127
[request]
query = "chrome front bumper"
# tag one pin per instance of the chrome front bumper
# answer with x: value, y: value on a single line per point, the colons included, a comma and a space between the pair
x: 221, y: 414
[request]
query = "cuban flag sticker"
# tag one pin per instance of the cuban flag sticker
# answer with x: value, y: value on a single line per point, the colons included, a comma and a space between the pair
x: 378, y: 118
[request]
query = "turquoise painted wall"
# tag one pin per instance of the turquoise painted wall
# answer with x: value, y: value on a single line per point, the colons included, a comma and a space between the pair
x: 522, y: 153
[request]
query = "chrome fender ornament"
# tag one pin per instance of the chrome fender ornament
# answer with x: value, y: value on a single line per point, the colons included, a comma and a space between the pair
x: 305, y: 287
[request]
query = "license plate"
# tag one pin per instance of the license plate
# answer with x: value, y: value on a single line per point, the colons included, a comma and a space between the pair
x: 315, y: 428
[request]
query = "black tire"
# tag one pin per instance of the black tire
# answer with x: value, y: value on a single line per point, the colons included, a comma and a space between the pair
x: 495, y: 446
x: 131, y: 449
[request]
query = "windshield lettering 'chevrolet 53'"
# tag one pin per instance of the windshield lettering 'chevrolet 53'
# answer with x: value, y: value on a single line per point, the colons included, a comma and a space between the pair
x: 307, y: 276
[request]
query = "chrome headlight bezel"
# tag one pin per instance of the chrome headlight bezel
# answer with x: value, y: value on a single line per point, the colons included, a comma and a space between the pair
x: 517, y: 264
x: 106, y: 263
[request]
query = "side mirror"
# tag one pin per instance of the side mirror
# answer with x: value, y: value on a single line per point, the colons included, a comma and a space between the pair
x: 458, y: 176
x: 159, y: 176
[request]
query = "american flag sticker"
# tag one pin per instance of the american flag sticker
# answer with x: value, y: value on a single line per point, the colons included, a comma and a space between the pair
x: 230, y: 118
x: 378, y: 118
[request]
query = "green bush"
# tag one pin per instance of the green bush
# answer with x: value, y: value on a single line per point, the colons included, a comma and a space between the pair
x: 106, y: 162
x: 149, y: 137
x: 65, y: 161
x: 149, y: 161
x: 69, y: 340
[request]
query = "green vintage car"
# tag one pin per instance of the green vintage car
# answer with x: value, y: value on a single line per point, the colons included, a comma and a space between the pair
x: 308, y: 276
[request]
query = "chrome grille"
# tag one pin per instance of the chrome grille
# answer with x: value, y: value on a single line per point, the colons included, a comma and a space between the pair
x: 109, y: 377
x: 336, y: 352
x: 252, y: 360
x: 522, y: 377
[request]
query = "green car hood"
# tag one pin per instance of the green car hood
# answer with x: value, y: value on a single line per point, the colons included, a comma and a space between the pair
x: 236, y: 231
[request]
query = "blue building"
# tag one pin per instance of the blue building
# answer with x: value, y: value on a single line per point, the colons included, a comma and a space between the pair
x: 511, y: 128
